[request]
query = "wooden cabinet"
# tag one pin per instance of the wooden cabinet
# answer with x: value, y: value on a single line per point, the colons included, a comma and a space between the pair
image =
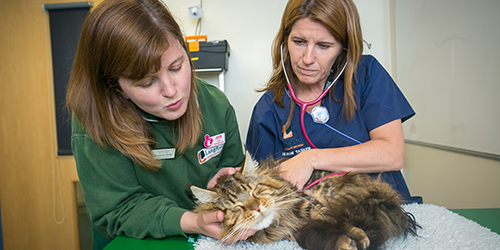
x: 37, y: 191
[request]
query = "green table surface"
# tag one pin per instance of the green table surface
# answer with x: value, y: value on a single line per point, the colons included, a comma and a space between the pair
x: 125, y: 243
x: 486, y: 217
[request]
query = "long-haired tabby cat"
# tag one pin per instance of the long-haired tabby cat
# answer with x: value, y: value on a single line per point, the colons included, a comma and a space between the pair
x: 351, y: 211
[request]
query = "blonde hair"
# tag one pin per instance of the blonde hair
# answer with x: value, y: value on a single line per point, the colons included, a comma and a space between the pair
x: 341, y: 18
x: 126, y: 38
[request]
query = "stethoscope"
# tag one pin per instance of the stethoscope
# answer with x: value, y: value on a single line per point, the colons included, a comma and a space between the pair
x: 320, y: 113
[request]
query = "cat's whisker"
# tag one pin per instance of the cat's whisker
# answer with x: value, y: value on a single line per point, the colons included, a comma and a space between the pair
x: 219, y: 244
x: 281, y: 197
x: 225, y: 238
x: 312, y: 205
x: 286, y: 196
x: 237, y: 230
x: 230, y: 234
x: 280, y: 202
x: 240, y: 233
x: 326, y: 195
x: 292, y: 193
x: 287, y: 201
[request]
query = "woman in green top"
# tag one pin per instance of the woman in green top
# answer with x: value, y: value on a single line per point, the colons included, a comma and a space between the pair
x: 144, y: 128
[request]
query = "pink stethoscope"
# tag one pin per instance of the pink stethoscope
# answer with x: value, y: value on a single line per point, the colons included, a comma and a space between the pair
x: 304, y: 105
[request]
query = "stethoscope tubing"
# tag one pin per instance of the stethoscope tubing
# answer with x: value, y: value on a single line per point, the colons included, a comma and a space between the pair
x: 303, y: 105
x: 303, y: 108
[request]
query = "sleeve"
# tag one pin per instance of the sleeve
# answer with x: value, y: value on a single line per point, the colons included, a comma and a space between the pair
x: 261, y: 136
x: 381, y: 99
x: 116, y: 202
x: 232, y: 154
x: 220, y: 116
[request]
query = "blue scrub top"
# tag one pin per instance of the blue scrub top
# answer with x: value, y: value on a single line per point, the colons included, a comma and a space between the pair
x: 378, y: 99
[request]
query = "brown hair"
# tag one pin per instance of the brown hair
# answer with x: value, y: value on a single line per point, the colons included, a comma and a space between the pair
x: 341, y: 18
x: 126, y: 38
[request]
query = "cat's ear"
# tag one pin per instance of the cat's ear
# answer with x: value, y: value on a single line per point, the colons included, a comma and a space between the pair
x: 203, y: 195
x: 250, y: 165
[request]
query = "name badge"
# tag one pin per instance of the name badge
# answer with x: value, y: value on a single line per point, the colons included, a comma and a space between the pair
x: 165, y: 153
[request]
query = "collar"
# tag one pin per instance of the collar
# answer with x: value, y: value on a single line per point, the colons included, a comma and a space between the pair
x: 149, y: 117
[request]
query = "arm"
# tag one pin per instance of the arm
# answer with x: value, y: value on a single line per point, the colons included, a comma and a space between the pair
x: 219, y: 116
x: 232, y: 155
x: 382, y: 108
x: 116, y: 201
x: 261, y: 140
x: 383, y: 152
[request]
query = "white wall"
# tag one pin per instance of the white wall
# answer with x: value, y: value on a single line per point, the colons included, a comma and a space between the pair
x: 250, y: 27
x: 447, y: 68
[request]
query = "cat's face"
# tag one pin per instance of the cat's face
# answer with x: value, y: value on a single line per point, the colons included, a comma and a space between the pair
x: 250, y: 199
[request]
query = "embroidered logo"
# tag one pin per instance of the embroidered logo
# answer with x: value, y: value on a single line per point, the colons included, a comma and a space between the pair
x: 293, y: 147
x: 287, y: 133
x: 293, y: 144
x: 214, y: 145
x: 293, y: 152
x: 206, y: 154
x: 215, y: 140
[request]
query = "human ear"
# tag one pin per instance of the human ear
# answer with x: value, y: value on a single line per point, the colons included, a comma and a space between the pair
x: 122, y: 93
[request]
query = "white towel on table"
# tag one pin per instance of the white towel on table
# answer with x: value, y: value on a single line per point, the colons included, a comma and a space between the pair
x: 441, y: 229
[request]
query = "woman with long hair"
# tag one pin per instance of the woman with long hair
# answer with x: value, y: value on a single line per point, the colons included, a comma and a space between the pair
x: 327, y: 106
x: 144, y: 128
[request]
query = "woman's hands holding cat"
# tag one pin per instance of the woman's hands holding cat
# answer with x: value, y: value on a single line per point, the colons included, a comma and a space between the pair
x: 209, y: 224
x: 297, y: 169
x: 222, y: 172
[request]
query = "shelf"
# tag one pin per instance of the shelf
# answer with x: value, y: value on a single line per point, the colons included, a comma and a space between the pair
x: 214, y: 70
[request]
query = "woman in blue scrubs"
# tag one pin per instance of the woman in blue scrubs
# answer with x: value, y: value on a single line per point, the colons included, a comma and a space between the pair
x: 358, y: 127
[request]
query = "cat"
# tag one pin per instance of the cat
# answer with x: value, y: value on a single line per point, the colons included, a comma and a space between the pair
x: 349, y: 211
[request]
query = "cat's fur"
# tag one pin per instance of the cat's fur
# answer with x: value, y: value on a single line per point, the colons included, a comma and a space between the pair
x: 351, y: 211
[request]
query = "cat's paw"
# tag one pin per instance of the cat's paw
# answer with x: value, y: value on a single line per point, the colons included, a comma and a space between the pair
x: 360, y: 237
x: 345, y: 242
x: 365, y: 242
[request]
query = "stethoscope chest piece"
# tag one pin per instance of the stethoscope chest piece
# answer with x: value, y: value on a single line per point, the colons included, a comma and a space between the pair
x: 320, y: 114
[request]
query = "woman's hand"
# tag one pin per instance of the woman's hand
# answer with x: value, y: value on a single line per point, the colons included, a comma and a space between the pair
x: 298, y: 169
x: 243, y: 236
x: 222, y: 172
x: 209, y: 224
